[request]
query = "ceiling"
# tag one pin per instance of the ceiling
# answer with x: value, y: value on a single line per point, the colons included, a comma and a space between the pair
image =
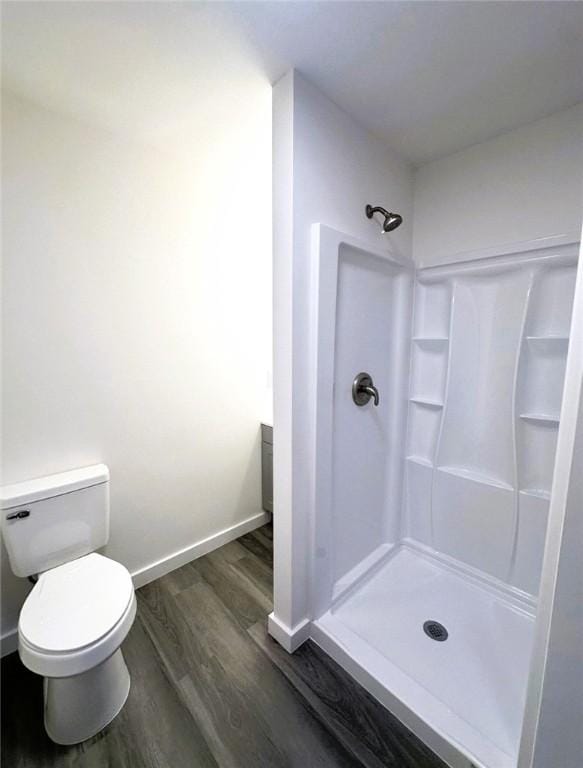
x: 430, y: 78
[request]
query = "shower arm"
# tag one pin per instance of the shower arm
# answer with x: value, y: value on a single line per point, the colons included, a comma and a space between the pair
x: 392, y: 220
x: 371, y: 210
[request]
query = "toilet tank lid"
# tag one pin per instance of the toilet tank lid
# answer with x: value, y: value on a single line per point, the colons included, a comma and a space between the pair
x: 27, y: 491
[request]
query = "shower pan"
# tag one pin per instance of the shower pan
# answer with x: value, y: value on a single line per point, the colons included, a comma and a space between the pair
x: 431, y: 508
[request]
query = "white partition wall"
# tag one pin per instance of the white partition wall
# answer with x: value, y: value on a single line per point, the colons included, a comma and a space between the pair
x: 327, y: 167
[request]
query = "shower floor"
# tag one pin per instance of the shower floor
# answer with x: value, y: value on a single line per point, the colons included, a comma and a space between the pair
x: 470, y: 688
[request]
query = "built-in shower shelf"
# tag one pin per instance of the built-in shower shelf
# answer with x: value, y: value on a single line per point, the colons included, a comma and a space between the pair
x: 420, y: 460
x: 478, y: 477
x: 547, y: 418
x: 538, y: 493
x: 427, y: 402
x: 549, y: 343
x: 431, y: 342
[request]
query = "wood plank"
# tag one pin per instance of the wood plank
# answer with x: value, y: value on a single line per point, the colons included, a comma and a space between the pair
x: 250, y: 703
x: 228, y: 553
x: 236, y: 590
x: 259, y: 574
x: 166, y: 628
x: 155, y: 728
x: 262, y: 537
x: 259, y: 548
x: 181, y: 578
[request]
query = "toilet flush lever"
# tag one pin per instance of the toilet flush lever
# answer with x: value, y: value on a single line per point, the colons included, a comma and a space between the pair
x: 363, y: 389
x: 22, y: 513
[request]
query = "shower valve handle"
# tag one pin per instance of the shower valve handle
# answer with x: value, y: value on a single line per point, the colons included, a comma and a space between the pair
x: 363, y: 389
x: 372, y: 392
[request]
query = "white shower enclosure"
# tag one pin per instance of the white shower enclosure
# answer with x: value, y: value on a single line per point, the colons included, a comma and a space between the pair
x: 432, y: 507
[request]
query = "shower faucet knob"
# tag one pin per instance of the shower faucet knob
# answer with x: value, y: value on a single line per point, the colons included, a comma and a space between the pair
x: 363, y: 389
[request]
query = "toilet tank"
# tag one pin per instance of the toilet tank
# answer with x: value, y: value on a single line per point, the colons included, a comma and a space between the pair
x: 52, y: 520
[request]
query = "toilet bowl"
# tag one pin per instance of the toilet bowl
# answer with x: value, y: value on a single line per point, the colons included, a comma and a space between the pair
x: 70, y: 631
x: 73, y: 622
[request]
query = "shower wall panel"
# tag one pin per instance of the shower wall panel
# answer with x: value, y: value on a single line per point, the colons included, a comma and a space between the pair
x: 362, y: 311
x: 488, y: 360
x: 364, y: 336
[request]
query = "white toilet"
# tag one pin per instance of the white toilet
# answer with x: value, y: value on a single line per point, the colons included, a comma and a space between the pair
x: 79, y: 612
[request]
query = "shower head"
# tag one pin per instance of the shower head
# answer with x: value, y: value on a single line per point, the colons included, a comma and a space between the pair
x: 392, y: 220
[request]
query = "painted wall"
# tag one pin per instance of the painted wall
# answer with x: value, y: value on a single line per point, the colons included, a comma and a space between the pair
x: 136, y: 319
x: 326, y: 168
x: 522, y: 185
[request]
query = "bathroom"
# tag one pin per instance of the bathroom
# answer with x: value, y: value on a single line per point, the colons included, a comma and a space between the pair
x: 191, y: 286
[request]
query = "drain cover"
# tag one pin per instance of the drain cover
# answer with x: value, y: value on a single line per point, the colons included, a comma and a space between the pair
x: 435, y: 631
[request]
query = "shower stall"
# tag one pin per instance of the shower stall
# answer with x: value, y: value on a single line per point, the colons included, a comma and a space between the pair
x: 431, y: 505
x: 428, y: 427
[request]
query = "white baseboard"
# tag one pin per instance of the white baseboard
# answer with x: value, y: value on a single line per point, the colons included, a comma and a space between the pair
x: 9, y: 640
x: 289, y: 638
x: 177, y: 559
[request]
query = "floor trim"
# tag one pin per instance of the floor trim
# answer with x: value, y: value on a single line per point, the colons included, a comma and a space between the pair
x: 289, y: 638
x: 200, y: 548
x: 9, y: 640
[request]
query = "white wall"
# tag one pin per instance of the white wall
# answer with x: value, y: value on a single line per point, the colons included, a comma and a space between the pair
x: 326, y: 168
x: 137, y: 291
x: 523, y: 185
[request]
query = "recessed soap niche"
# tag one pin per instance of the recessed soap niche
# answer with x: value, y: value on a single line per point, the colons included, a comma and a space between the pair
x: 541, y: 375
x: 432, y: 310
x: 429, y: 354
x: 536, y: 446
x: 542, y: 379
x: 428, y: 371
x: 423, y: 430
x: 529, y: 311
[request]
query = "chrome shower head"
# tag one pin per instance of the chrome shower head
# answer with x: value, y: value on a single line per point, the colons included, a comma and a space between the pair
x: 392, y: 220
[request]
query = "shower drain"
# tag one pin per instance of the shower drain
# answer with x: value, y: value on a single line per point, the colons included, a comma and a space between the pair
x: 435, y: 631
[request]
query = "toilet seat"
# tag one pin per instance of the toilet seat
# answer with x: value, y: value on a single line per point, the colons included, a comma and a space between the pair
x: 76, y: 616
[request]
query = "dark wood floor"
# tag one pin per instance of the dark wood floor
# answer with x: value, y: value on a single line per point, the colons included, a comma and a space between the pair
x: 210, y: 688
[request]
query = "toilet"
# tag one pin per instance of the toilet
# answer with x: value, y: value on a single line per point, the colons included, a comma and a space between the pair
x: 82, y: 606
